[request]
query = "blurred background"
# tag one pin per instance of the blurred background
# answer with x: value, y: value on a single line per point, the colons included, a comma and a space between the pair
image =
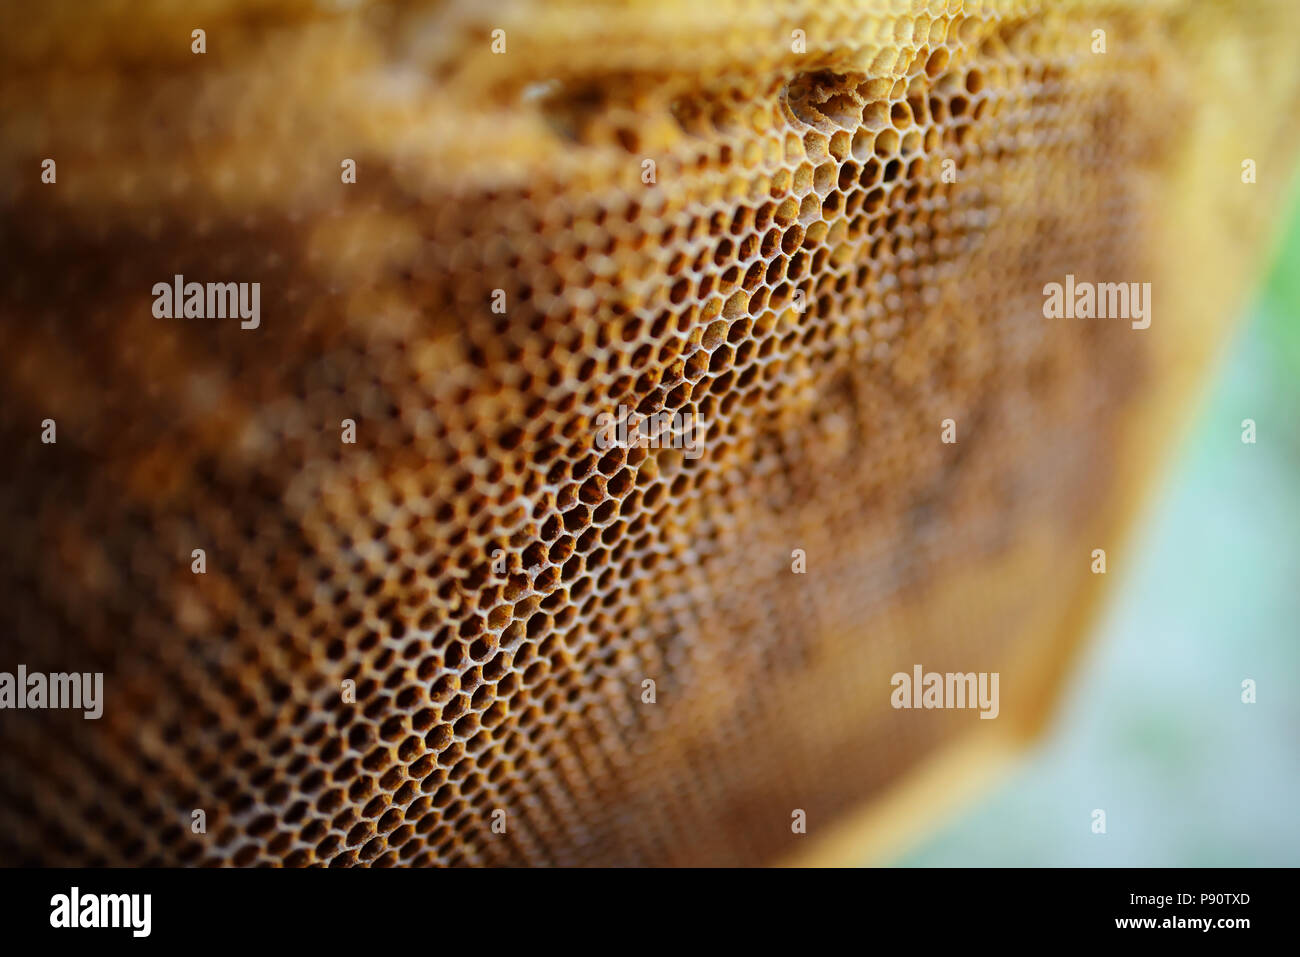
x: 1152, y: 728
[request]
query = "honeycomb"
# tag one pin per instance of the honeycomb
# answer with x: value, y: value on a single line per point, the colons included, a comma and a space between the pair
x: 821, y: 229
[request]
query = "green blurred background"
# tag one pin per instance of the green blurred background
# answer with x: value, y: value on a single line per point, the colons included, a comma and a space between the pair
x: 1152, y: 728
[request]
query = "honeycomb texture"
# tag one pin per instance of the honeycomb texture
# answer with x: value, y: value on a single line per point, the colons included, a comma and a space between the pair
x: 843, y: 243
